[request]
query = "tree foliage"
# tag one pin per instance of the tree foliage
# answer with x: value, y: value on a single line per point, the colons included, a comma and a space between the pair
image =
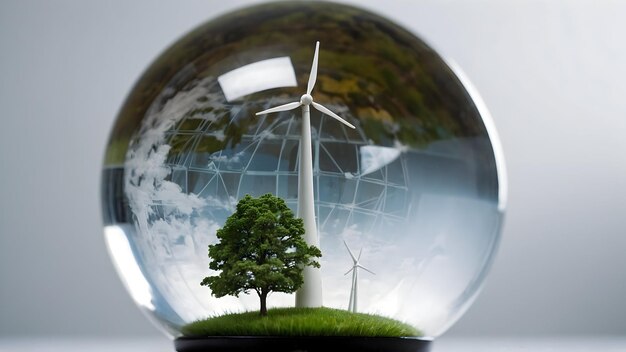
x: 260, y: 249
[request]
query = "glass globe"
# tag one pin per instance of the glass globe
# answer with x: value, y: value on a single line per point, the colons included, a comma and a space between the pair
x: 416, y: 190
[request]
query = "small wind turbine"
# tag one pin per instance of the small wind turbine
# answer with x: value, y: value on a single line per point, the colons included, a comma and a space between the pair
x: 310, y: 293
x: 355, y: 278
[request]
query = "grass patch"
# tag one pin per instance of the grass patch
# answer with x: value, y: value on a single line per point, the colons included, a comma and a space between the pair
x: 300, y: 322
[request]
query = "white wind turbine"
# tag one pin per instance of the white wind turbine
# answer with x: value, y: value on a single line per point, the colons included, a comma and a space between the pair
x: 355, y: 278
x: 310, y: 294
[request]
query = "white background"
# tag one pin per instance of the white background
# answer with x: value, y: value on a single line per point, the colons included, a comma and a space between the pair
x: 552, y: 73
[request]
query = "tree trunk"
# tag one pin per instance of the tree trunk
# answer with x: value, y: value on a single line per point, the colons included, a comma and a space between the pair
x: 263, y: 297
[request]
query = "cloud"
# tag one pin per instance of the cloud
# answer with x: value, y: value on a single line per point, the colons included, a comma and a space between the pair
x: 173, y: 236
x: 225, y: 159
x: 219, y: 135
x: 266, y: 134
x: 375, y: 157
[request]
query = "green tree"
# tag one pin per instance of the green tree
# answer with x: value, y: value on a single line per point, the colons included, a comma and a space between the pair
x: 260, y: 248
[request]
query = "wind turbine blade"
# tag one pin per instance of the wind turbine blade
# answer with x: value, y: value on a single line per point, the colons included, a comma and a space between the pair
x: 313, y: 74
x: 366, y: 269
x: 360, y: 252
x: 348, y: 272
x: 351, y: 254
x: 286, y: 107
x: 323, y: 109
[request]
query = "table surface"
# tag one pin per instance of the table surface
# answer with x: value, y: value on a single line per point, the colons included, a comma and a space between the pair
x: 483, y: 344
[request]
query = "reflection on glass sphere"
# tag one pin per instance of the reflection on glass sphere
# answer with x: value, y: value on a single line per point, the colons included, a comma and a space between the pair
x: 417, y: 186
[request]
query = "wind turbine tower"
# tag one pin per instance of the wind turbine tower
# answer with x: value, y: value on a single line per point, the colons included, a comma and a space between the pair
x: 310, y: 294
x: 352, y: 306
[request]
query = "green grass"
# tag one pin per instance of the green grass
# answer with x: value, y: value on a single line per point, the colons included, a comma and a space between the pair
x: 300, y: 322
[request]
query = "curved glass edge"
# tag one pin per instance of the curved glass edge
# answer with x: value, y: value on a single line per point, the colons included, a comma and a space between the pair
x: 491, y: 131
x: 502, y: 178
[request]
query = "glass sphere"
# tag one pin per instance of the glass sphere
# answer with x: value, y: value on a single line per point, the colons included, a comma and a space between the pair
x: 417, y: 188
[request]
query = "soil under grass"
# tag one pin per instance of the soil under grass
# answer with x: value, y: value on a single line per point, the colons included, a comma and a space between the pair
x: 300, y: 322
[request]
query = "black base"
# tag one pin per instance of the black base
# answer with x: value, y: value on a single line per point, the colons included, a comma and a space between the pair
x: 301, y: 344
